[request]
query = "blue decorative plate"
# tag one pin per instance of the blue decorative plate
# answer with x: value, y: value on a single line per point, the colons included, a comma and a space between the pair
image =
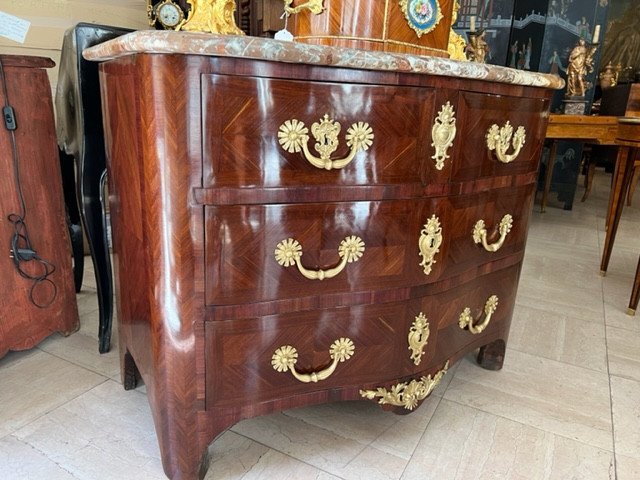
x: 422, y: 15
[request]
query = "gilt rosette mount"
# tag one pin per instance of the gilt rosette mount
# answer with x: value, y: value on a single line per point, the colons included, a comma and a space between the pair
x: 285, y: 358
x: 499, y: 139
x: 289, y: 252
x: 422, y: 16
x: 407, y: 395
x: 293, y: 136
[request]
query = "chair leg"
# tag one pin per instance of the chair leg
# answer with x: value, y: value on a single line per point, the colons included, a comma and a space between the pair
x: 73, y: 217
x: 633, y: 185
x: 621, y: 178
x: 94, y: 222
x: 77, y: 248
x: 588, y: 181
x: 635, y: 293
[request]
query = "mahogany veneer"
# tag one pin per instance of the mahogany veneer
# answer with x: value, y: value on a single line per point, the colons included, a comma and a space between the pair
x: 201, y: 194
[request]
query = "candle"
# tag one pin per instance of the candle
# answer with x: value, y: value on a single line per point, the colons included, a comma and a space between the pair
x: 472, y: 27
x: 596, y: 34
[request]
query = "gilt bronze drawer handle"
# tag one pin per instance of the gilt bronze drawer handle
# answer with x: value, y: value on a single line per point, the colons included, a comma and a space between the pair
x: 289, y: 251
x: 498, y: 139
x: 429, y: 243
x: 285, y: 358
x: 407, y: 395
x: 418, y: 337
x: 466, y: 320
x: 443, y: 133
x: 480, y: 233
x: 293, y: 136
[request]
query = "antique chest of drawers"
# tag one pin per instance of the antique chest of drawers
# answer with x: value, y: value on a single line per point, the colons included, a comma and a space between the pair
x: 297, y: 224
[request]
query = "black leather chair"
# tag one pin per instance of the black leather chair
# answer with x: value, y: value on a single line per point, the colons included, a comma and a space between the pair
x: 81, y: 136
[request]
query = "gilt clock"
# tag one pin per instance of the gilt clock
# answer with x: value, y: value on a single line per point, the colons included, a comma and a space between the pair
x: 166, y: 15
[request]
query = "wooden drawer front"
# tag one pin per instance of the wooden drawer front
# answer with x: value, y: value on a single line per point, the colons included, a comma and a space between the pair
x: 477, y: 113
x: 491, y: 208
x: 241, y: 241
x: 243, y: 115
x: 502, y: 285
x: 239, y: 352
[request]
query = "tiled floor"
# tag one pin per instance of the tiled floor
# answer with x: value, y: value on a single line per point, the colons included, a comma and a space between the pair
x: 566, y: 405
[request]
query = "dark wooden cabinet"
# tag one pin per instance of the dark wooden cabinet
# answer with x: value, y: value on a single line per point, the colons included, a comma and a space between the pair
x: 257, y: 273
x: 22, y: 323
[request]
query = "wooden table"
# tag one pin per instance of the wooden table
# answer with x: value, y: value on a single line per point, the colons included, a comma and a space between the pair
x: 600, y: 130
x: 628, y: 139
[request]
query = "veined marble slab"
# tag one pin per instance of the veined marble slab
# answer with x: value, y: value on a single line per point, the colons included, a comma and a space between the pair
x: 150, y: 41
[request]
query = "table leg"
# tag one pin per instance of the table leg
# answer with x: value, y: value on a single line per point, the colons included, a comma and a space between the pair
x: 549, y: 173
x: 588, y: 181
x: 635, y: 293
x: 616, y: 203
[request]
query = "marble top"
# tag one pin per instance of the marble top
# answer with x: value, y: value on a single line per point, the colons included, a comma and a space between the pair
x: 151, y: 41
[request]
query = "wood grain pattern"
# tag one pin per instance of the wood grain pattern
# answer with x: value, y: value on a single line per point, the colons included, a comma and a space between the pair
x: 476, y: 113
x: 241, y: 126
x: 371, y: 25
x: 22, y: 324
x: 200, y: 196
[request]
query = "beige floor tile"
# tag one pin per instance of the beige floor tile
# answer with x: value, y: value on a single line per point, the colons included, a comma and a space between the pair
x: 555, y: 266
x: 362, y: 421
x: 463, y: 443
x: 628, y: 231
x: 35, y: 382
x: 87, y: 301
x: 562, y: 232
x: 234, y: 457
x: 572, y: 302
x: 82, y: 350
x: 556, y: 397
x: 625, y: 405
x: 623, y: 262
x: 559, y: 337
x: 373, y: 464
x: 104, y: 434
x: 627, y: 468
x: 624, y: 353
x: 333, y: 452
x: 314, y: 445
x: 20, y: 461
x: 617, y: 290
x: 402, y: 438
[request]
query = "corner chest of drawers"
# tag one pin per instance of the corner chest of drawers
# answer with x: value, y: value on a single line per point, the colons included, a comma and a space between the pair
x: 296, y: 225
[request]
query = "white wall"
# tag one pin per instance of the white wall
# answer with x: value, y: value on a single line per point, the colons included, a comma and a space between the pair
x: 50, y: 18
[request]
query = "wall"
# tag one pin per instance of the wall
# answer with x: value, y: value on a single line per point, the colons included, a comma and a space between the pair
x: 50, y: 18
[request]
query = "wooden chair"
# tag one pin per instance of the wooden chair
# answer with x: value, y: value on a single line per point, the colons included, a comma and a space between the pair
x: 80, y: 136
